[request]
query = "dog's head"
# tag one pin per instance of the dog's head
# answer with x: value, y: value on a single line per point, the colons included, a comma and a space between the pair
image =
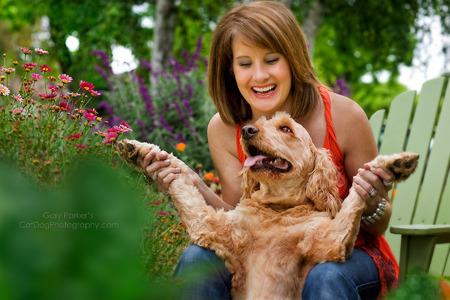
x: 283, y: 159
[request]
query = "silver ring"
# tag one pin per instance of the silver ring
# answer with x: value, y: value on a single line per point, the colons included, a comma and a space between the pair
x: 373, y: 193
x: 387, y: 183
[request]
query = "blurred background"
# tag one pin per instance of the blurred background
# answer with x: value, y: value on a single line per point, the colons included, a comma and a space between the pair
x: 376, y: 48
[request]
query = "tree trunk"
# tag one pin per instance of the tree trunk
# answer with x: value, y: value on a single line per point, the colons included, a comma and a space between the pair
x: 163, y: 35
x: 311, y: 24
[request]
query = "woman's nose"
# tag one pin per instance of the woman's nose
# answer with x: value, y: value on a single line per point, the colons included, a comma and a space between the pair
x: 260, y: 73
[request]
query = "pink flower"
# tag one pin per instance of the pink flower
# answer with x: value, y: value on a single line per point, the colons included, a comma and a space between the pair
x: 26, y: 50
x: 53, y: 88
x: 80, y: 146
x: 74, y: 136
x: 162, y: 213
x: 18, y: 98
x: 92, y: 111
x: 89, y: 116
x: 8, y: 70
x: 94, y: 93
x: 50, y: 96
x: 74, y: 95
x: 17, y: 111
x: 64, y: 106
x: 40, y: 51
x: 29, y: 66
x: 45, y: 68
x: 36, y: 77
x: 157, y: 202
x: 110, y: 138
x: 65, y: 78
x: 86, y: 85
x: 120, y: 129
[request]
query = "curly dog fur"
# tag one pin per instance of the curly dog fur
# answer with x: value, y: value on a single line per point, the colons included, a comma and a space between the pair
x: 290, y: 216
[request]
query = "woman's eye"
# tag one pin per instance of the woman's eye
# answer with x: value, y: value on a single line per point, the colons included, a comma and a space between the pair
x: 285, y: 129
x: 272, y: 61
x: 245, y: 64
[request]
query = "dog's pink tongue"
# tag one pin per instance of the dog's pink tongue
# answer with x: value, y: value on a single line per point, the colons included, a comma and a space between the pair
x: 252, y: 160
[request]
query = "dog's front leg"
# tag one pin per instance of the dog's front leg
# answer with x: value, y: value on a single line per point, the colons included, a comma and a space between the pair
x: 344, y: 227
x: 202, y: 221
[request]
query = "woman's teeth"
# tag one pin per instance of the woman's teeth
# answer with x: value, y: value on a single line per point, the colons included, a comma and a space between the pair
x: 263, y: 90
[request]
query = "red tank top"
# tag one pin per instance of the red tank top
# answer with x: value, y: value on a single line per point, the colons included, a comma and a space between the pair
x: 376, y: 247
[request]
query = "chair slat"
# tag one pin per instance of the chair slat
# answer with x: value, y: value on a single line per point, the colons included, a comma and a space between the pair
x: 397, y: 123
x: 376, y: 122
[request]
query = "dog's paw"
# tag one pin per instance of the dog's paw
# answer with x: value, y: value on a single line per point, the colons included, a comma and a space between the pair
x: 133, y: 152
x: 400, y: 165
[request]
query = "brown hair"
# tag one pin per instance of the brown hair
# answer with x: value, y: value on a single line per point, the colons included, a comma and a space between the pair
x: 267, y: 25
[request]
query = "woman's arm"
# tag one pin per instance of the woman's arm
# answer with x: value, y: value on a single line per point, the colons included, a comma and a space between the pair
x: 222, y: 146
x: 221, y: 139
x: 355, y: 137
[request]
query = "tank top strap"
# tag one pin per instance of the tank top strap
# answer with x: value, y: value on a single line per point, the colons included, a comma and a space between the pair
x: 240, y: 152
x: 330, y: 142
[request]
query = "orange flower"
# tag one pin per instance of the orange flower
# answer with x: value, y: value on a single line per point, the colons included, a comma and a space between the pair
x: 209, y: 175
x: 445, y: 289
x: 180, y: 146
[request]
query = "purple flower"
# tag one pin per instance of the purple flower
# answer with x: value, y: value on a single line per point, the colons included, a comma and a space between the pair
x: 341, y: 87
x: 165, y: 124
x: 145, y: 94
x: 188, y: 108
x: 146, y: 64
x: 105, y: 58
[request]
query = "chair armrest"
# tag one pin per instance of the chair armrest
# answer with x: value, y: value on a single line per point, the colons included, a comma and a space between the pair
x: 417, y: 245
x: 440, y: 232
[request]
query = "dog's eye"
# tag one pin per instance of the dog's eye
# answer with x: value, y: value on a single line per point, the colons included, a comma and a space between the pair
x: 285, y: 128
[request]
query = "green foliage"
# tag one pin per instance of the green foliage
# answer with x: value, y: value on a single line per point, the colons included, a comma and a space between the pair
x: 418, y: 286
x: 77, y: 242
x: 372, y: 97
x: 164, y: 240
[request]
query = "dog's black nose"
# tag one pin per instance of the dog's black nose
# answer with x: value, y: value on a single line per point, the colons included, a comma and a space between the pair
x: 249, y: 131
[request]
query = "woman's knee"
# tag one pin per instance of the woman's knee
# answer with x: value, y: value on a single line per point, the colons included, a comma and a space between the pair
x: 196, y: 259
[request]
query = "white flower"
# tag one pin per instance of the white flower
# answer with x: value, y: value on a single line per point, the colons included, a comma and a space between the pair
x: 4, y: 90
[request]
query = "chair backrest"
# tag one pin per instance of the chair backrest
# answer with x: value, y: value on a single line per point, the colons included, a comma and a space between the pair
x: 425, y: 197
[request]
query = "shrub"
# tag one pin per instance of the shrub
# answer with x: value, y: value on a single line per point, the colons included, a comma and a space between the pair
x: 45, y: 120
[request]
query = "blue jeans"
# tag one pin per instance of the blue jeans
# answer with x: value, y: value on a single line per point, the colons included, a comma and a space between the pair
x: 205, y: 277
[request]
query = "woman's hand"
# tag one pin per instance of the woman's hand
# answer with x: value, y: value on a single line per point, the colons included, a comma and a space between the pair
x: 163, y: 178
x: 372, y: 184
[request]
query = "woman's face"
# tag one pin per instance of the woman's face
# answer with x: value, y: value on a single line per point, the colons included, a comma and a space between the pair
x: 263, y: 78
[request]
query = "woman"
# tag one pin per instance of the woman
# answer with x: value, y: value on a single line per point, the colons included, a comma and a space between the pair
x: 259, y: 64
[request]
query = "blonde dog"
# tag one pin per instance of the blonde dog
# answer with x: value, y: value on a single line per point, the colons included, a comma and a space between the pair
x: 290, y: 216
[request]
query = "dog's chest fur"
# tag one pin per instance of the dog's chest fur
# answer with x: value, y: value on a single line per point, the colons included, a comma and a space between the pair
x: 272, y: 237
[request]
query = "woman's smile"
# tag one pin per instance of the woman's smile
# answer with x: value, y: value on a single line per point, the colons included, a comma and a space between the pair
x: 264, y: 91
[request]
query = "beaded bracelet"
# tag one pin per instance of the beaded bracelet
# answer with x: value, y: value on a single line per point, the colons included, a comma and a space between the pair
x: 376, y: 215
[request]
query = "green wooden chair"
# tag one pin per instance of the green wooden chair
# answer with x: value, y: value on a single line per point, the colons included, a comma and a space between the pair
x: 420, y: 222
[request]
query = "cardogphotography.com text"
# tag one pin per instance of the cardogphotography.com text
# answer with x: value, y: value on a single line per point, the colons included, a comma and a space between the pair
x: 67, y: 220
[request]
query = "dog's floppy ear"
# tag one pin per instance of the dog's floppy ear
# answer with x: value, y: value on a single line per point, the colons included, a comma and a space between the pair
x: 249, y: 185
x: 321, y: 187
